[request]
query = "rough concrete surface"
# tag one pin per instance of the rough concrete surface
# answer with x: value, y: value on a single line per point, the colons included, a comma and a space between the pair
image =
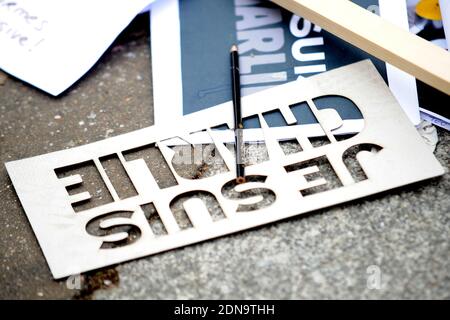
x: 402, y: 234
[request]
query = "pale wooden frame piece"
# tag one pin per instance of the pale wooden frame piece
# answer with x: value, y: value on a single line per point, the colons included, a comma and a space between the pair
x: 416, y: 56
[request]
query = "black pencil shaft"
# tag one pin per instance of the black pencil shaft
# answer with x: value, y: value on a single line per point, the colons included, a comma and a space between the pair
x: 240, y: 171
x: 236, y: 89
x: 238, y: 124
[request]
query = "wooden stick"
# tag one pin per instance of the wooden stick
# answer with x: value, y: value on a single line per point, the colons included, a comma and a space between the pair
x: 418, y: 57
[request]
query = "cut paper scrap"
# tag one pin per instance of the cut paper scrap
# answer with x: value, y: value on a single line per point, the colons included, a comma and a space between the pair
x: 80, y: 231
x: 51, y: 44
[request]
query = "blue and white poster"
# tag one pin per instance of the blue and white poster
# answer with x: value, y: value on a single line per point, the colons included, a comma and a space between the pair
x: 191, y: 40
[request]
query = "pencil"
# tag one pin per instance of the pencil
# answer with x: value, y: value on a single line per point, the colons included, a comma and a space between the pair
x: 238, y: 124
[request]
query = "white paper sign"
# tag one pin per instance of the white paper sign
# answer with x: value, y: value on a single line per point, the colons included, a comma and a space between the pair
x: 178, y: 49
x: 445, y: 11
x: 51, y: 44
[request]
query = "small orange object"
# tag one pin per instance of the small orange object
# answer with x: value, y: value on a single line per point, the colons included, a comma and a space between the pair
x: 429, y: 9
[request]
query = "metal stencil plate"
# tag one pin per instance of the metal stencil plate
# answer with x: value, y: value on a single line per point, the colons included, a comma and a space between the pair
x: 80, y: 231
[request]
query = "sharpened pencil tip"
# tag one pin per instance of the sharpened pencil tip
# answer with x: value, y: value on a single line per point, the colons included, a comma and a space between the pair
x: 240, y: 180
x: 234, y: 48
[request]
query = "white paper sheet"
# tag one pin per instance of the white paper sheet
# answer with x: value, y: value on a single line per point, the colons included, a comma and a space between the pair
x: 51, y: 44
x: 402, y: 84
x: 445, y: 11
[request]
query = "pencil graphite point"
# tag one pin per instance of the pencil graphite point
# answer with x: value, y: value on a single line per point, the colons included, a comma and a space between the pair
x: 240, y: 180
x: 234, y: 48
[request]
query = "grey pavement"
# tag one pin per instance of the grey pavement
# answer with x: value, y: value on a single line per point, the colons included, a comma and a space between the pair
x: 402, y: 235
